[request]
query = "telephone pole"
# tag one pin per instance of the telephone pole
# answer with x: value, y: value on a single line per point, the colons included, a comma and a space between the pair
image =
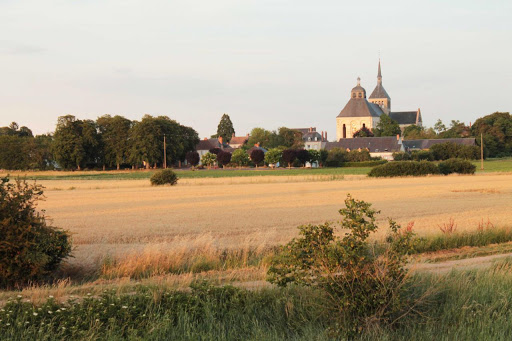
x: 165, y: 155
x: 482, y: 151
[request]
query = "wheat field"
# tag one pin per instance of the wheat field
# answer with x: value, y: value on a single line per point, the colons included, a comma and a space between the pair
x: 127, y: 218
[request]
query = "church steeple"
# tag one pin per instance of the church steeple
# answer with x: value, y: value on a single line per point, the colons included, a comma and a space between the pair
x: 379, y: 96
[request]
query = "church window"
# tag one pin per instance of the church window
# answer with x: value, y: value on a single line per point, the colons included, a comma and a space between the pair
x: 364, y: 125
x: 344, y: 131
x: 359, y: 95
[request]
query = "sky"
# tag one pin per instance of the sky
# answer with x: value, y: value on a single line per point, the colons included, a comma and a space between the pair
x: 265, y: 63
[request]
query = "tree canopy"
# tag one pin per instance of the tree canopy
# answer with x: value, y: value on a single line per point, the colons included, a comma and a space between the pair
x: 386, y: 127
x: 225, y: 128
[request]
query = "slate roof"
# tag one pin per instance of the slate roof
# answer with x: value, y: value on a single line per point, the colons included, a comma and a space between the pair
x: 405, y: 117
x: 312, y: 135
x: 204, y: 145
x: 427, y: 143
x: 304, y: 131
x: 374, y: 144
x: 360, y: 107
x: 379, y: 92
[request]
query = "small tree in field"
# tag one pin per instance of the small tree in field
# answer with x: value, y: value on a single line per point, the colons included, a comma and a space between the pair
x: 192, y: 158
x: 224, y: 158
x: 209, y: 159
x: 303, y: 156
x: 30, y: 250
x: 273, y: 156
x: 240, y: 157
x: 289, y: 155
x: 314, y: 156
x: 257, y: 156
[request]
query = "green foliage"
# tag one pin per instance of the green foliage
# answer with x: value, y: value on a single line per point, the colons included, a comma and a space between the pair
x: 225, y: 128
x: 284, y: 137
x: 456, y: 166
x: 364, y: 163
x: 15, y: 130
x: 497, y: 133
x: 76, y: 143
x: 386, y: 127
x: 324, y: 154
x: 240, y: 158
x: 450, y: 150
x: 115, y: 138
x: 362, y: 284
x: 164, y: 177
x: 363, y: 132
x: 314, y: 156
x: 404, y: 168
x: 30, y: 250
x: 208, y: 159
x: 273, y: 156
x: 439, y: 127
x: 337, y: 156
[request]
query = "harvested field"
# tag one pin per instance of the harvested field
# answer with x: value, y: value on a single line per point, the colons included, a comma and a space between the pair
x: 129, y: 216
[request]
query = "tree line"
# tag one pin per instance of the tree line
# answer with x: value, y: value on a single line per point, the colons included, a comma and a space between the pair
x: 110, y: 141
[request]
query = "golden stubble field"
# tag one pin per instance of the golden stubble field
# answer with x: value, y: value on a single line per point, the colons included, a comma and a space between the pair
x: 115, y: 218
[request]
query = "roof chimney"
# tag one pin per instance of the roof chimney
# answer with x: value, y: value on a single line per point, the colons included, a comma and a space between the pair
x: 257, y: 144
x: 220, y: 139
x: 322, y: 135
x: 205, y: 138
x: 325, y: 136
x: 233, y: 135
x: 398, y: 137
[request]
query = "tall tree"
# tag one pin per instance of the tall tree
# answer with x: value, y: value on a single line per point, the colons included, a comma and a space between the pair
x: 225, y: 128
x: 115, y: 137
x: 496, y: 130
x: 439, y: 127
x: 386, y: 127
x: 76, y: 143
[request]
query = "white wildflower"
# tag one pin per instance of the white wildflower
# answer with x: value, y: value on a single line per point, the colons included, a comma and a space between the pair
x: 35, y: 314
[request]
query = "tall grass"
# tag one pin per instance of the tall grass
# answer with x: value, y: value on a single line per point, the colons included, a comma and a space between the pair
x: 456, y: 240
x: 471, y: 305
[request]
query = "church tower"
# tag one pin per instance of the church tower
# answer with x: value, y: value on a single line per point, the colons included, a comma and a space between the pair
x: 379, y: 96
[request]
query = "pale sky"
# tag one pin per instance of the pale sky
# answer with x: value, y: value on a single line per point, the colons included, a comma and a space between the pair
x: 265, y: 63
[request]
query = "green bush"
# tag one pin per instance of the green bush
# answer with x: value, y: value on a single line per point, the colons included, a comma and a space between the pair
x: 164, y: 177
x: 420, y: 155
x: 364, y: 285
x: 401, y: 156
x: 456, y: 166
x: 364, y: 163
x: 450, y: 150
x: 30, y: 250
x: 404, y: 168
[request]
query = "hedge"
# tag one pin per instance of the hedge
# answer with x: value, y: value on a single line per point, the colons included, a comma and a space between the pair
x: 456, y: 166
x: 404, y: 168
x: 364, y: 163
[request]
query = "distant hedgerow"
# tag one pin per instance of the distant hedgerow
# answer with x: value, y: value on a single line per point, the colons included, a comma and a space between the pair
x: 164, y: 177
x: 404, y: 168
x: 457, y: 166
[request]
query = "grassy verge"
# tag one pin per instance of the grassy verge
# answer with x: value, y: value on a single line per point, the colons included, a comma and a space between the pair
x: 471, y: 305
x: 189, y: 174
x: 494, y: 165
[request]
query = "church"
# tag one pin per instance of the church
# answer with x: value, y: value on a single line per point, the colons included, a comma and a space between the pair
x: 360, y: 112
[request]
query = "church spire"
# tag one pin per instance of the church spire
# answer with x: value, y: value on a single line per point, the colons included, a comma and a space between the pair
x: 379, y: 75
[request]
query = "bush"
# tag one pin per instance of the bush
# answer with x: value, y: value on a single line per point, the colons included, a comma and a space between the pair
x: 30, y: 250
x: 164, y: 177
x: 336, y: 157
x: 404, y: 168
x: 401, y: 156
x: 289, y: 156
x: 363, y: 285
x: 240, y: 158
x: 450, y: 150
x: 358, y: 155
x: 420, y: 155
x: 209, y: 159
x: 364, y: 163
x: 192, y: 158
x: 224, y: 158
x: 257, y: 156
x: 303, y: 156
x: 273, y: 156
x: 456, y: 166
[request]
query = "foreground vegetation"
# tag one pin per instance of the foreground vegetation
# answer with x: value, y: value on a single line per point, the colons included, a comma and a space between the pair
x: 470, y: 305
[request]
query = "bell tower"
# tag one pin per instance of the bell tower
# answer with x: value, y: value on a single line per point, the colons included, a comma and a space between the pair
x: 379, y: 95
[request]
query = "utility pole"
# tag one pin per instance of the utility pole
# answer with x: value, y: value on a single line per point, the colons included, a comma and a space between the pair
x: 482, y: 151
x: 165, y: 155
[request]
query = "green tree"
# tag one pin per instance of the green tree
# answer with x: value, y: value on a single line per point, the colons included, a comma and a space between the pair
x: 496, y: 129
x: 76, y: 143
x: 457, y: 129
x: 439, y: 127
x: 386, y: 127
x: 273, y: 156
x: 240, y: 158
x: 225, y: 128
x: 289, y: 138
x: 208, y: 159
x: 115, y: 136
x: 324, y: 154
x: 263, y: 137
x: 314, y: 156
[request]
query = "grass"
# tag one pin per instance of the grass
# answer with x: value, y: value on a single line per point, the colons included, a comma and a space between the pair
x: 191, y: 174
x: 494, y: 165
x: 462, y: 305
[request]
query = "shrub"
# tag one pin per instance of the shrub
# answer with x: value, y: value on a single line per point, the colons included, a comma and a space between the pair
x: 257, y: 156
x: 302, y: 156
x: 364, y: 163
x: 209, y: 159
x: 215, y: 150
x: 358, y: 155
x: 450, y: 150
x: 401, y: 156
x: 404, y: 168
x: 336, y: 157
x: 456, y: 166
x: 363, y: 285
x: 240, y: 158
x: 314, y: 156
x: 192, y: 158
x: 420, y: 155
x: 164, y: 177
x: 224, y: 158
x: 289, y: 155
x: 30, y: 250
x: 273, y: 156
